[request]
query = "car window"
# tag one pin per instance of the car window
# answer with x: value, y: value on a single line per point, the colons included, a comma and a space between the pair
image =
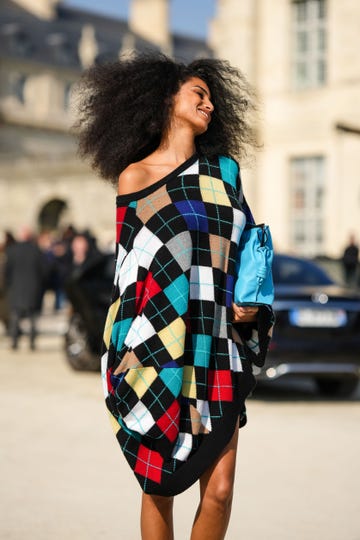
x: 290, y: 271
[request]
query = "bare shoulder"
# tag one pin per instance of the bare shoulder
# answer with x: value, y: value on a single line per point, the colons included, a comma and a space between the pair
x: 132, y: 179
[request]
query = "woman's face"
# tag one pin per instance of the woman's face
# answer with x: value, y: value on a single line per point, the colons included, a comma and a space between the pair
x: 192, y: 106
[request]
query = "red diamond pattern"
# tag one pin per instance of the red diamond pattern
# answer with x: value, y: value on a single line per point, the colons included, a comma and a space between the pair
x: 169, y: 421
x: 145, y: 290
x: 220, y: 386
x: 149, y: 464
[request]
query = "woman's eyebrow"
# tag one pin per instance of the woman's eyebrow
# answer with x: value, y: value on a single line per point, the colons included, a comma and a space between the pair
x: 202, y: 88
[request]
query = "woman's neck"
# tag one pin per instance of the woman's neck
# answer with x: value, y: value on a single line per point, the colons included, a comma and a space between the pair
x: 177, y: 146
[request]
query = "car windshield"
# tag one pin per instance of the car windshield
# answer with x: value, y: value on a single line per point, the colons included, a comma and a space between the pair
x: 291, y: 271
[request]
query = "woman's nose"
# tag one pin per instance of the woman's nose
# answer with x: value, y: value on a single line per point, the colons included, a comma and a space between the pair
x: 209, y: 106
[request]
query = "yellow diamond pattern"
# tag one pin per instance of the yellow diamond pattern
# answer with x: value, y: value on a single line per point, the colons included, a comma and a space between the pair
x: 213, y: 191
x: 189, y: 382
x: 114, y: 423
x: 110, y: 319
x: 173, y: 338
x: 140, y: 379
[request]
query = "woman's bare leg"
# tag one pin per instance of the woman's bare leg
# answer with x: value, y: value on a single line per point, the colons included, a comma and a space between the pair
x: 157, y: 517
x: 216, y: 493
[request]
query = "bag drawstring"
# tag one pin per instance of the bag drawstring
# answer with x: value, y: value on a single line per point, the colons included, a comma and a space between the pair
x: 262, y: 269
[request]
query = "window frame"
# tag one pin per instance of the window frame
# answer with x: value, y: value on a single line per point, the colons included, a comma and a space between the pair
x: 307, y: 220
x: 309, y: 43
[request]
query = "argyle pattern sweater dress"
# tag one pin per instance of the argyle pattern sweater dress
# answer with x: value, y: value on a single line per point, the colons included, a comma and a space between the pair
x: 176, y: 372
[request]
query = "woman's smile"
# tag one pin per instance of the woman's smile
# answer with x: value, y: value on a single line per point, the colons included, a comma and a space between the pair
x: 204, y: 113
x: 194, y: 95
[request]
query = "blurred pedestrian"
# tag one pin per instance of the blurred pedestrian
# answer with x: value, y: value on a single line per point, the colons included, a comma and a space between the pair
x: 68, y: 234
x: 7, y: 241
x: 58, y: 258
x: 25, y: 272
x: 350, y: 261
x: 62, y: 262
x: 83, y: 251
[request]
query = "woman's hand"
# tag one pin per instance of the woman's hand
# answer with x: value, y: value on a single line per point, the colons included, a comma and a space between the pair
x: 244, y: 314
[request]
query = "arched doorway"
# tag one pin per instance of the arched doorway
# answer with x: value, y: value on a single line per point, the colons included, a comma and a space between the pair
x: 50, y: 214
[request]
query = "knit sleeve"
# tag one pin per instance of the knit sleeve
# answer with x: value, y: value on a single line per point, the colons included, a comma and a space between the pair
x: 256, y: 336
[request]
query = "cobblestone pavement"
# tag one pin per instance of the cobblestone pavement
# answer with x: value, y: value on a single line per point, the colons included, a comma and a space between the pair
x: 63, y: 476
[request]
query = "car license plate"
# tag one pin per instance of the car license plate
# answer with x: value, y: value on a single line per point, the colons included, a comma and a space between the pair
x: 325, y: 318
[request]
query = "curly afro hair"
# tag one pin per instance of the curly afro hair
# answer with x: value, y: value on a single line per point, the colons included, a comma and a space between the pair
x: 124, y: 108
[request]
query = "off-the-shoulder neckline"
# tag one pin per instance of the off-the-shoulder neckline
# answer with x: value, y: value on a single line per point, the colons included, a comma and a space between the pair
x: 136, y: 195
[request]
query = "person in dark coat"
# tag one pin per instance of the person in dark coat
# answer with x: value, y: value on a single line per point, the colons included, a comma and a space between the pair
x: 7, y: 241
x: 24, y: 276
x: 350, y: 262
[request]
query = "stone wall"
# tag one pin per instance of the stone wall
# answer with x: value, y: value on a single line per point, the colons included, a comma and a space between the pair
x: 256, y: 36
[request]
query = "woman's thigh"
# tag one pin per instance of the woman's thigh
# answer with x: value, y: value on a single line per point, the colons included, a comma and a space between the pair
x: 218, y: 479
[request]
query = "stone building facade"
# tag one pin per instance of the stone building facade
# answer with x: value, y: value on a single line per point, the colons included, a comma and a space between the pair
x: 301, y: 55
x: 44, y: 46
x: 303, y: 58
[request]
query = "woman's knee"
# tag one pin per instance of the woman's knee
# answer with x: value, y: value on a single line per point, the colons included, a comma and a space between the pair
x: 220, y: 493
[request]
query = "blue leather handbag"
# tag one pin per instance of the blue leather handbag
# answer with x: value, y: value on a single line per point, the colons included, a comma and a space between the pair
x: 254, y: 283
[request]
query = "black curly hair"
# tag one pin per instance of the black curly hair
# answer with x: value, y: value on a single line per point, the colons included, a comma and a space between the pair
x: 124, y: 107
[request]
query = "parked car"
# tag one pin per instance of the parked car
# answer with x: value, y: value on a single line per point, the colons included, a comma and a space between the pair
x: 317, y: 330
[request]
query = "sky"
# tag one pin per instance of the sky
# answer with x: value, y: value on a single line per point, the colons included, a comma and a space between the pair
x: 188, y: 17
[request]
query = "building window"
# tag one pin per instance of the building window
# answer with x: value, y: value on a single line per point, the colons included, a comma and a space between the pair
x: 309, y: 43
x: 60, y: 48
x: 17, y: 82
x: 67, y: 95
x: 16, y: 39
x: 307, y: 176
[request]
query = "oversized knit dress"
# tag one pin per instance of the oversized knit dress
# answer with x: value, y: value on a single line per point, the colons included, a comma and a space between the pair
x: 176, y: 371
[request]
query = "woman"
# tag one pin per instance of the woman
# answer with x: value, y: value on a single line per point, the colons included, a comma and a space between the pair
x: 176, y: 372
